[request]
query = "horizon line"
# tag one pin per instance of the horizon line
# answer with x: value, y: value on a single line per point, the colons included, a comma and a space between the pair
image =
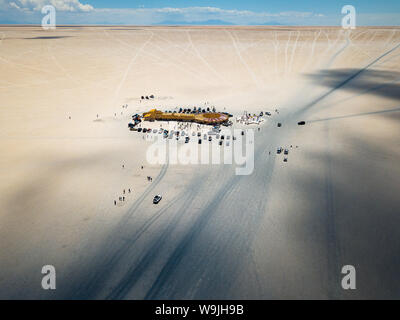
x: 194, y: 25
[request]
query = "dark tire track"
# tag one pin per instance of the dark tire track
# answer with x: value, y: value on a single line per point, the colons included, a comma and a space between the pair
x: 166, y: 284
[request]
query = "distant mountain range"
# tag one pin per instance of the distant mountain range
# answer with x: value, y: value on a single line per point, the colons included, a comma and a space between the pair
x: 270, y: 23
x: 179, y: 23
x: 196, y: 23
x: 212, y: 23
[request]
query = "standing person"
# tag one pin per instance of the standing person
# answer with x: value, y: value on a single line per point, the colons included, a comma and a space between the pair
x: 115, y: 203
x: 124, y: 191
x: 123, y: 198
x: 129, y: 190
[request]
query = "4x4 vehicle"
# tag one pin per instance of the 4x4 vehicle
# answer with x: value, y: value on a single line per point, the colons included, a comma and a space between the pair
x: 157, y: 199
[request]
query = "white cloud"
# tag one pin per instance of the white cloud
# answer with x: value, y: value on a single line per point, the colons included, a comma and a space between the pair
x: 60, y: 5
x: 14, y: 5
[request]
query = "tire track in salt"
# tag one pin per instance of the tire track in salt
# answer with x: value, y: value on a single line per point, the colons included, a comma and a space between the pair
x: 253, y: 76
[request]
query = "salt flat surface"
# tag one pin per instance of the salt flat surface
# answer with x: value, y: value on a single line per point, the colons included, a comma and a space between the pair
x: 285, y: 231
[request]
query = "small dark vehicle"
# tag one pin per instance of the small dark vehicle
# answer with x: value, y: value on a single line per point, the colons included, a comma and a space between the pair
x: 301, y: 123
x: 279, y: 124
x: 157, y: 199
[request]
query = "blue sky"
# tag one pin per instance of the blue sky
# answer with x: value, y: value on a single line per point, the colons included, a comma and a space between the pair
x: 240, y: 12
x: 257, y: 5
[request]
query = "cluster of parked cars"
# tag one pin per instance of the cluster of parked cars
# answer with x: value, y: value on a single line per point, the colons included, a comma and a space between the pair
x: 136, y: 119
x: 147, y: 97
x: 285, y: 152
x: 217, y: 136
x: 177, y: 134
x: 189, y: 110
x: 166, y: 133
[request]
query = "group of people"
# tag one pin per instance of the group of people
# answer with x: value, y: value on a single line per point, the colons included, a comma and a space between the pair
x: 122, y: 198
x: 125, y: 191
